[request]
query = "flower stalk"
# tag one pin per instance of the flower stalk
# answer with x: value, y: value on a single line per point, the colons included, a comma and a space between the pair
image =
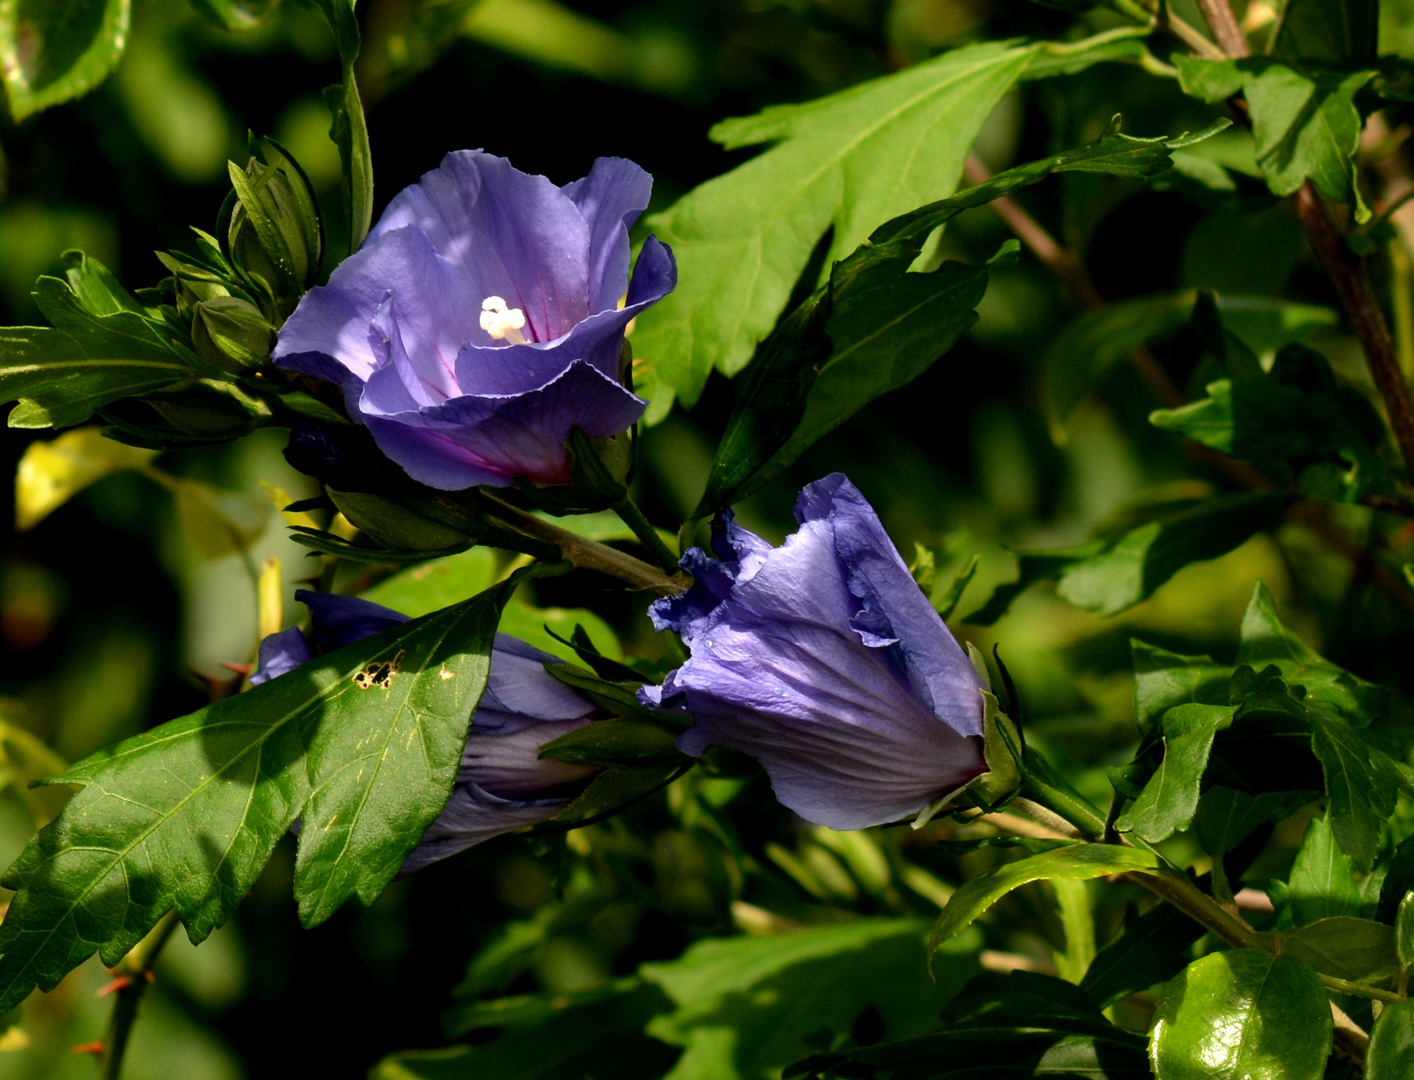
x: 134, y: 972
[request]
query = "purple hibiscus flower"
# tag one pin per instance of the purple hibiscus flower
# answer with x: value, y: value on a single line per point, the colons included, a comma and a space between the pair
x: 823, y: 660
x: 479, y: 322
x: 503, y: 783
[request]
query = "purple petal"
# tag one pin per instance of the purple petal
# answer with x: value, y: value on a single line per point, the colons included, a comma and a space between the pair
x: 515, y: 236
x: 494, y: 438
x: 895, y: 613
x: 610, y: 199
x: 472, y: 816
x: 343, y: 620
x: 654, y: 275
x: 502, y: 755
x: 280, y: 653
x: 519, y: 683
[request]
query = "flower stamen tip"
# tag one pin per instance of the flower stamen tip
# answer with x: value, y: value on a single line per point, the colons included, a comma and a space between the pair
x: 502, y: 322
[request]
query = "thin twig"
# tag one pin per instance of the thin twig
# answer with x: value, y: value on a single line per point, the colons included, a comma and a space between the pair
x: 134, y: 971
x: 1164, y: 19
x: 1224, y: 25
x: 585, y: 553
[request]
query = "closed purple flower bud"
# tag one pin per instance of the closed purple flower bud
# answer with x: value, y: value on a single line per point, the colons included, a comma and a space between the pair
x: 503, y: 783
x: 823, y: 660
x: 479, y: 324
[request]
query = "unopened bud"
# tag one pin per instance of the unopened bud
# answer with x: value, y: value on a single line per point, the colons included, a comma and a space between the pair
x: 226, y: 329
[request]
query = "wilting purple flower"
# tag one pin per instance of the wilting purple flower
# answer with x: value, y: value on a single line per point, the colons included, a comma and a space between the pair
x: 478, y: 324
x: 823, y: 660
x: 503, y: 783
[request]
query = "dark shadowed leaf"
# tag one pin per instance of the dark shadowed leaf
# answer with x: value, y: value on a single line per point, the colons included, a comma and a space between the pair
x: 1358, y: 950
x: 1318, y: 33
x: 1151, y: 949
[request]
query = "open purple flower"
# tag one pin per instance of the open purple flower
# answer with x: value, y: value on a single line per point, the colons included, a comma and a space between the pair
x: 823, y: 660
x: 479, y: 322
x: 503, y: 783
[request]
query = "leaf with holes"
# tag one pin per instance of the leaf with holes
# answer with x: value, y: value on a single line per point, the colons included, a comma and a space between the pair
x: 361, y: 744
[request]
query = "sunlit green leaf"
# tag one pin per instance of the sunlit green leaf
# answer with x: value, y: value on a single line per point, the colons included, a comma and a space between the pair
x: 1170, y: 797
x: 54, y: 50
x: 1242, y: 1015
x: 362, y: 745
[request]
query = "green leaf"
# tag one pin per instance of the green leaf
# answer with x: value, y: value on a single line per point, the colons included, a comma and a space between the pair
x: 1164, y: 679
x: 83, y: 361
x: 596, y: 1033
x: 618, y: 788
x: 1306, y: 124
x: 234, y: 14
x: 1404, y: 931
x: 945, y: 601
x: 613, y: 742
x: 1317, y: 33
x: 1242, y: 1015
x: 1151, y: 949
x: 1032, y: 567
x: 349, y: 130
x: 52, y: 472
x: 1227, y: 816
x: 1265, y: 640
x: 1362, y: 781
x: 1170, y: 797
x: 747, y: 1006
x: 1080, y: 356
x: 54, y: 50
x: 1145, y: 557
x: 1321, y: 884
x: 1358, y: 950
x: 1390, y: 1055
x: 847, y: 162
x: 1076, y: 862
x: 361, y: 744
x: 1296, y: 421
x: 1014, y: 1025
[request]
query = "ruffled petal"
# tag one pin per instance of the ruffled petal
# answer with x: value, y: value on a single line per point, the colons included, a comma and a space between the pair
x: 504, y: 437
x: 514, y: 235
x: 894, y: 613
x: 610, y: 199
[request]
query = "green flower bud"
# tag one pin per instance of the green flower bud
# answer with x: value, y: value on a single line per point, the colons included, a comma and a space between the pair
x: 275, y: 234
x: 226, y: 329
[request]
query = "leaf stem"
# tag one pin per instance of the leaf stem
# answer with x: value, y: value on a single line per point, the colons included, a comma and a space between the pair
x: 135, y: 970
x: 633, y: 517
x: 1140, y: 11
x: 585, y: 553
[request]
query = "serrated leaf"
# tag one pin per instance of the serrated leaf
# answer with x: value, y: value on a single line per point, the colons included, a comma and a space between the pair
x: 1265, y: 640
x: 1362, y: 781
x: 54, y: 50
x: 1357, y: 950
x: 1163, y: 679
x: 52, y: 472
x: 1242, y: 1015
x: 84, y: 360
x: 847, y: 161
x: 1321, y: 884
x: 1075, y: 862
x: 1295, y: 422
x: 361, y: 744
x: 1145, y: 557
x: 1390, y: 1055
x: 1305, y: 123
x: 1170, y: 797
